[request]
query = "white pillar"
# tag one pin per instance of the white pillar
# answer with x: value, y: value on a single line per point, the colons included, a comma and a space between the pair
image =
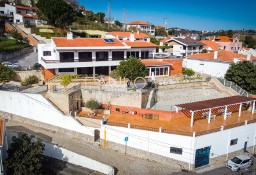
x: 176, y: 109
x: 225, y: 113
x: 253, y: 106
x: 192, y: 119
x: 169, y: 70
x: 240, y: 109
x: 93, y: 71
x: 209, y: 116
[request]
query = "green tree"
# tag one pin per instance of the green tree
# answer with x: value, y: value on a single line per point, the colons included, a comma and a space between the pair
x: 56, y: 12
x: 160, y: 32
x: 6, y: 74
x: 2, y: 27
x: 188, y: 72
x: 222, y: 33
x: 25, y: 155
x: 204, y: 51
x: 92, y: 104
x: 118, y: 23
x: 131, y: 69
x: 230, y: 33
x: 100, y: 17
x: 66, y: 80
x: 154, y: 41
x: 250, y: 42
x: 243, y: 74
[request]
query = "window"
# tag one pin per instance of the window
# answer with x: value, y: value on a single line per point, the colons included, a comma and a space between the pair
x: 117, y: 55
x: 231, y: 48
x: 101, y: 56
x: 66, y: 70
x: 224, y: 47
x: 47, y: 53
x: 145, y: 54
x: 117, y: 109
x: 67, y: 57
x: 133, y: 53
x: 175, y: 150
x: 85, y: 56
x: 233, y: 142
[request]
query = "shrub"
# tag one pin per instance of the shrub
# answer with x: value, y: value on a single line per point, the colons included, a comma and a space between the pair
x: 30, y: 80
x: 188, y: 72
x: 93, y: 104
x: 37, y: 66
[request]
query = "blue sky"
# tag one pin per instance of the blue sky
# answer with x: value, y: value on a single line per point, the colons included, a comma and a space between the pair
x: 189, y: 14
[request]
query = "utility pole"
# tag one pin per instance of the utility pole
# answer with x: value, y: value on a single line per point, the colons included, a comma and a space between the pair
x: 109, y: 13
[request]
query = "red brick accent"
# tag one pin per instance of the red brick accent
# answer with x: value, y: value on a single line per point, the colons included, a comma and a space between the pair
x: 48, y: 73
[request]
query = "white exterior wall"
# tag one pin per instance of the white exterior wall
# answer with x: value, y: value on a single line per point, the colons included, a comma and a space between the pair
x: 63, y: 154
x: 17, y: 17
x: 213, y: 68
x: 36, y: 107
x: 153, y: 142
x: 220, y: 141
x: 178, y: 50
x: 9, y: 9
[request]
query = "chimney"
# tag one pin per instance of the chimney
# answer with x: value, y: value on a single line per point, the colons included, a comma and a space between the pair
x: 69, y: 35
x: 248, y: 57
x: 215, y: 55
x: 132, y: 38
x: 138, y: 32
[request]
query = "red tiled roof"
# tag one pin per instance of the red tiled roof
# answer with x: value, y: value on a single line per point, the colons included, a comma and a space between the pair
x: 29, y: 16
x: 1, y: 131
x: 223, y: 39
x: 127, y: 35
x: 223, y: 55
x: 159, y: 27
x: 211, y: 44
x: 140, y: 44
x: 25, y: 8
x: 85, y: 42
x: 154, y: 62
x: 139, y: 23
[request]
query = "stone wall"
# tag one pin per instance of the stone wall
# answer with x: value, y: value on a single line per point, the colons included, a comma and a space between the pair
x: 7, y: 56
x: 22, y: 75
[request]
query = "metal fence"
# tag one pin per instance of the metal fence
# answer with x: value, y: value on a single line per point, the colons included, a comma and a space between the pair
x: 234, y: 86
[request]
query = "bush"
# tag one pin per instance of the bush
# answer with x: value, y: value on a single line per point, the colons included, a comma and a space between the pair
x: 188, y: 72
x: 37, y: 66
x: 93, y: 104
x: 30, y: 80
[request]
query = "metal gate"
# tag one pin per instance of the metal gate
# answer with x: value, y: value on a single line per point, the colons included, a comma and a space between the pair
x: 202, y: 156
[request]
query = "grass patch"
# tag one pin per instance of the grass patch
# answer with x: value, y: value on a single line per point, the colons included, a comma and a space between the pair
x: 49, y: 35
x: 11, y: 45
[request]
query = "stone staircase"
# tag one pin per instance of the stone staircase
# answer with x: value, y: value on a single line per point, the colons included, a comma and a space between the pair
x: 41, y: 39
x: 216, y: 84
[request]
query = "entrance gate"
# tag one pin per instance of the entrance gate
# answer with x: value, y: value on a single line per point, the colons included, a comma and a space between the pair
x: 202, y: 156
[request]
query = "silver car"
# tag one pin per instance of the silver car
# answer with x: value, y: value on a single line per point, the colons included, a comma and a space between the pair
x: 239, y: 162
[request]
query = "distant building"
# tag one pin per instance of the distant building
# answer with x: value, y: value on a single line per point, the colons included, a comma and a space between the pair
x: 246, y: 51
x: 214, y: 63
x: 128, y: 36
x: 143, y: 26
x: 227, y: 43
x: 181, y: 46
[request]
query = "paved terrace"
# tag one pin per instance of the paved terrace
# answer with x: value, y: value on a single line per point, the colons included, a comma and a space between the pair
x: 181, y: 124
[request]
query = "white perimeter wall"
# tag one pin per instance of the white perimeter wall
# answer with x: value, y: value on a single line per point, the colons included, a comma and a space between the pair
x: 154, y: 142
x: 214, y: 68
x: 220, y: 141
x: 36, y: 107
x: 63, y: 154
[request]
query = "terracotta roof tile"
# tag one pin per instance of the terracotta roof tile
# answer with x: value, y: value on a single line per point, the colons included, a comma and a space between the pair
x: 211, y: 44
x: 127, y: 35
x: 1, y: 131
x: 139, y: 23
x: 153, y: 62
x: 29, y: 16
x: 223, y: 55
x: 140, y: 44
x: 25, y: 8
x: 85, y: 42
x: 223, y: 39
x: 160, y: 27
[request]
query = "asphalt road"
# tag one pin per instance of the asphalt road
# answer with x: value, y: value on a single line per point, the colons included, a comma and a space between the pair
x: 26, y: 60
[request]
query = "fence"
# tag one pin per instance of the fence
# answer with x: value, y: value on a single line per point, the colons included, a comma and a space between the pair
x: 234, y: 86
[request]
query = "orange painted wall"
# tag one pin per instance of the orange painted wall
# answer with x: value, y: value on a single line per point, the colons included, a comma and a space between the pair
x: 163, y: 115
x: 9, y: 28
x: 48, y: 73
x: 176, y: 68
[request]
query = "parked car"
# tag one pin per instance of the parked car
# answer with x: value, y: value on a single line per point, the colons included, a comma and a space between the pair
x: 15, y: 66
x: 239, y: 162
x: 7, y: 63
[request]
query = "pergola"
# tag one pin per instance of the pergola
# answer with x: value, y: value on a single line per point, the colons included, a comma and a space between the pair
x: 216, y: 103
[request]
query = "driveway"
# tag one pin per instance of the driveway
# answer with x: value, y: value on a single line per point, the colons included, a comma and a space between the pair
x: 27, y: 60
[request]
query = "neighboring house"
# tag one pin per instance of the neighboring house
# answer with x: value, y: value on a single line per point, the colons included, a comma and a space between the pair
x: 99, y: 56
x: 129, y: 36
x: 183, y: 46
x: 143, y: 26
x: 3, y: 145
x: 229, y: 44
x: 210, y: 46
x: 246, y: 51
x: 22, y: 14
x: 215, y: 63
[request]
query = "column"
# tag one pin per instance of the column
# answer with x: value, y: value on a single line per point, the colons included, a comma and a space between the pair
x: 225, y: 113
x: 192, y: 119
x: 93, y: 71
x: 253, y: 106
x: 110, y: 55
x: 76, y: 58
x: 93, y: 56
x: 240, y: 109
x: 209, y: 116
x: 169, y: 71
x: 125, y: 54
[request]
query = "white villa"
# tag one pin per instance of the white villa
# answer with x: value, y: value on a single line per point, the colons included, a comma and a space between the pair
x: 143, y: 26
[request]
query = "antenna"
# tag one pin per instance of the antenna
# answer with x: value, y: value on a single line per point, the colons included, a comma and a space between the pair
x: 124, y: 19
x: 109, y: 13
x: 165, y: 20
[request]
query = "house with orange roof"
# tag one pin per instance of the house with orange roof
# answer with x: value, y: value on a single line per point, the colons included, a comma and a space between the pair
x: 99, y: 56
x: 129, y: 36
x: 215, y: 63
x: 22, y: 14
x: 246, y: 51
x: 211, y: 46
x: 143, y: 26
x: 228, y: 44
